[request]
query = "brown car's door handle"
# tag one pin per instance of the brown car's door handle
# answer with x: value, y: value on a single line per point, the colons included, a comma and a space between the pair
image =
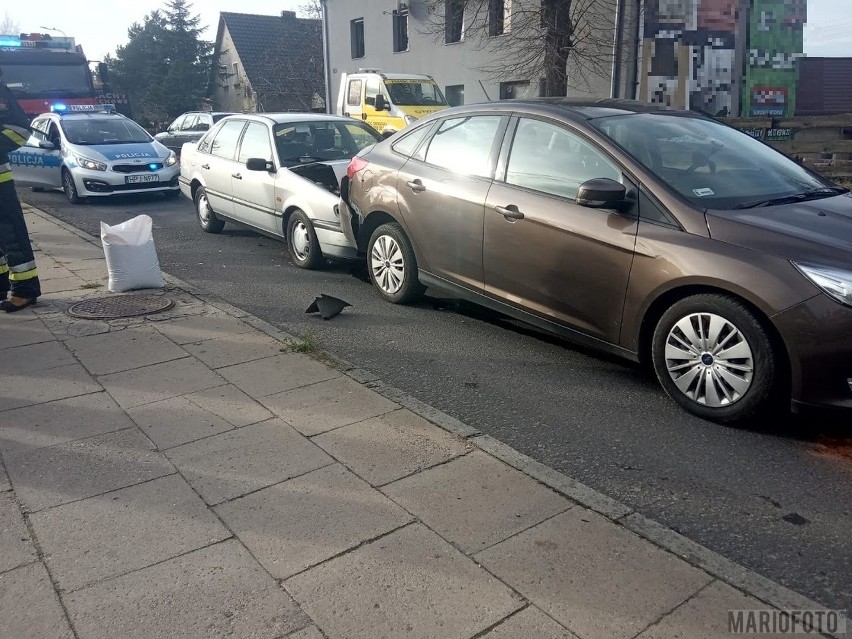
x: 416, y: 186
x: 236, y: 176
x: 205, y: 166
x: 510, y: 212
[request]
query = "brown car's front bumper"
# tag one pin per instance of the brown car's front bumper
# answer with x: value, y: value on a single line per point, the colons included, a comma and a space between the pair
x: 818, y: 334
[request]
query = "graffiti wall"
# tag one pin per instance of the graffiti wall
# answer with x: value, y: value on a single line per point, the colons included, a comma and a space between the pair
x: 721, y: 56
x: 775, y: 43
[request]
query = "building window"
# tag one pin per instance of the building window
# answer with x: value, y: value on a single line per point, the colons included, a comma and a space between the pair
x: 499, y: 17
x: 453, y: 21
x: 236, y: 66
x: 455, y: 94
x: 512, y: 90
x: 400, y: 31
x: 356, y: 35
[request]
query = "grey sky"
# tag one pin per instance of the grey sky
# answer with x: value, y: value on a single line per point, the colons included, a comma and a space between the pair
x: 101, y: 25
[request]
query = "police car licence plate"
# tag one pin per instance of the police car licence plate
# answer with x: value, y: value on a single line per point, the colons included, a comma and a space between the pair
x: 134, y: 179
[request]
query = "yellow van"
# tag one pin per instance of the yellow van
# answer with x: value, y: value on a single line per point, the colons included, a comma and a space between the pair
x: 388, y: 102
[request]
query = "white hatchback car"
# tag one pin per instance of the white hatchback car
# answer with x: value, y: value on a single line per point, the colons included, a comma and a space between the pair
x: 91, y: 151
x: 278, y: 173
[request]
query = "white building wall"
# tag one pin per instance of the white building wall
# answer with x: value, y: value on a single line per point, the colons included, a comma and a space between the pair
x: 448, y: 64
x: 230, y: 90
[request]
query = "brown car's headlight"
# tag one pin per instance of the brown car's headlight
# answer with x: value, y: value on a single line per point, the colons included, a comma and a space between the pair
x: 834, y: 282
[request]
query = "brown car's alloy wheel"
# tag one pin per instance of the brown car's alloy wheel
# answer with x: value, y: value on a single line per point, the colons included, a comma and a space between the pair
x: 392, y: 265
x: 714, y: 358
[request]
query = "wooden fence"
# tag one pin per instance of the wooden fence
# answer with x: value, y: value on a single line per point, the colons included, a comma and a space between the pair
x: 823, y: 143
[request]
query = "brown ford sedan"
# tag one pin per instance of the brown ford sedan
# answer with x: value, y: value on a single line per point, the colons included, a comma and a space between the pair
x: 660, y: 236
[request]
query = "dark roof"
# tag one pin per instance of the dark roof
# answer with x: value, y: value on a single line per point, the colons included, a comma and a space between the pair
x: 254, y: 35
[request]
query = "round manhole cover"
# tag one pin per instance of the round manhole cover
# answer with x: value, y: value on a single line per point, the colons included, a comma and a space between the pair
x: 120, y: 306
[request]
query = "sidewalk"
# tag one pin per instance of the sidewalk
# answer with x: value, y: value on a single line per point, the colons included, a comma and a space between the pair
x: 187, y: 475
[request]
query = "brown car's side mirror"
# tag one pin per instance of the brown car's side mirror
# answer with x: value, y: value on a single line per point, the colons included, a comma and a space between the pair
x: 601, y: 193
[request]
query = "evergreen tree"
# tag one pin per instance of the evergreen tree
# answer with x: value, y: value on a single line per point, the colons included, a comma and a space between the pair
x: 165, y: 65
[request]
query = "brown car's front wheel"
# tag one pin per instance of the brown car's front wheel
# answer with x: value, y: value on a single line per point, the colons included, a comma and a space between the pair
x: 714, y: 358
x: 392, y: 265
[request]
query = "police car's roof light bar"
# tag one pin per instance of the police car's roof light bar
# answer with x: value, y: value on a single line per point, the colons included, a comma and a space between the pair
x: 59, y: 107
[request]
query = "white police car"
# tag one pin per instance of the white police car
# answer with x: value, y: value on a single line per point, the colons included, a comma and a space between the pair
x: 92, y: 151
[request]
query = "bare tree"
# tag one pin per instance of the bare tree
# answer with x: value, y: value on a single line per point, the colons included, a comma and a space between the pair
x: 566, y: 43
x: 290, y: 73
x: 311, y: 9
x: 9, y: 26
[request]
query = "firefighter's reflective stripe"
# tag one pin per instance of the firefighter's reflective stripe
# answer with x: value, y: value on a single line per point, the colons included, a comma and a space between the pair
x: 13, y: 133
x: 26, y: 275
x: 25, y: 271
x: 5, y: 177
x: 4, y: 265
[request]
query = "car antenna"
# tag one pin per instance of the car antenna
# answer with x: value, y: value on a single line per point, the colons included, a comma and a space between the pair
x: 485, y: 92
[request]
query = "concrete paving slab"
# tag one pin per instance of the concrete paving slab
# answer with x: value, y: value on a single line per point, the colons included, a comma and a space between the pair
x: 594, y: 577
x: 21, y: 329
x: 219, y: 591
x: 311, y: 632
x: 231, y: 404
x: 410, y: 583
x: 202, y: 327
x: 327, y: 405
x: 276, y: 374
x: 247, y: 459
x: 391, y: 446
x: 61, y: 421
x: 235, y: 349
x: 177, y: 421
x: 62, y: 284
x: 529, y: 623
x: 45, y: 386
x: 160, y: 381
x: 37, y: 612
x: 47, y: 477
x: 16, y: 547
x: 476, y: 501
x: 124, y: 350
x: 116, y: 533
x: 302, y: 522
x: 706, y: 615
x: 93, y: 274
x: 36, y: 357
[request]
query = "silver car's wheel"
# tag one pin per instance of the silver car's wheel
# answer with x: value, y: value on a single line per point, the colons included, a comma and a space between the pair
x: 207, y: 219
x: 392, y: 264
x: 714, y: 356
x: 388, y: 264
x: 302, y: 242
x: 709, y: 359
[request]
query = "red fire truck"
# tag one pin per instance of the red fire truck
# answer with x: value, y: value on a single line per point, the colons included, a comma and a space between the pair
x: 42, y: 71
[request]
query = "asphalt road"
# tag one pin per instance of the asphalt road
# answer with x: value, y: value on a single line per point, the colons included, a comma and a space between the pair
x: 776, y: 498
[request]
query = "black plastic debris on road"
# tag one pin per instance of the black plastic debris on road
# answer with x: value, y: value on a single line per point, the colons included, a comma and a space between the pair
x: 327, y: 306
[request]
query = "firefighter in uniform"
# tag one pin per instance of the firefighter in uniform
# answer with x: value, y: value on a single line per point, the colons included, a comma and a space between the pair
x: 18, y: 273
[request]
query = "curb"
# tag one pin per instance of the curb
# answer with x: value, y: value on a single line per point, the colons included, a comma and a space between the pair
x: 711, y: 562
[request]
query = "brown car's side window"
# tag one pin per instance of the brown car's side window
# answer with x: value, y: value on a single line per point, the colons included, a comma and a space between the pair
x: 553, y: 160
x: 463, y: 145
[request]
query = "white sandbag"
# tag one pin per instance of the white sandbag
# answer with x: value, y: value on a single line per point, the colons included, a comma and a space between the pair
x: 130, y: 255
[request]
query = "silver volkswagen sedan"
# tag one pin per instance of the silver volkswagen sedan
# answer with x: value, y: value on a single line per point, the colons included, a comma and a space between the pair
x: 278, y: 173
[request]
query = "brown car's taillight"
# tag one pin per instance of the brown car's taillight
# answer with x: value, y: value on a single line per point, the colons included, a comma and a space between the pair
x: 354, y: 166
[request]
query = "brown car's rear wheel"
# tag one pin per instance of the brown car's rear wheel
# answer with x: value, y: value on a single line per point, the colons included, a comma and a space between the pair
x: 392, y: 265
x: 714, y: 358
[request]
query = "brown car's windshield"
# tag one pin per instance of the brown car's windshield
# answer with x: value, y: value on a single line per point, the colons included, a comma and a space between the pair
x: 711, y: 165
x: 317, y: 141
